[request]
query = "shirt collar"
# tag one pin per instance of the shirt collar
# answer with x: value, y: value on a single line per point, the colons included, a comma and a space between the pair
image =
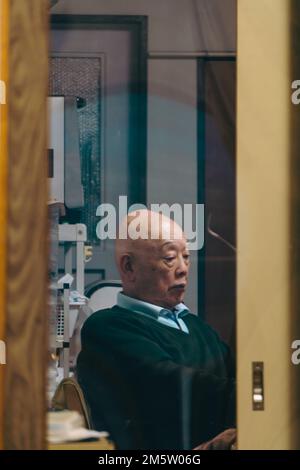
x: 154, y: 311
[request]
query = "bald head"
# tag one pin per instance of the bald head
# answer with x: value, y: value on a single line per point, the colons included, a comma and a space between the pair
x: 149, y: 246
x: 142, y: 229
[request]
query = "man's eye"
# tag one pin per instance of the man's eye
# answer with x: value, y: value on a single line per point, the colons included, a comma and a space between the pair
x: 186, y: 257
x: 169, y: 258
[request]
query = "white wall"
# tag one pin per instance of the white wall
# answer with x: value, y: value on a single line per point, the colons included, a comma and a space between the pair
x: 174, y: 26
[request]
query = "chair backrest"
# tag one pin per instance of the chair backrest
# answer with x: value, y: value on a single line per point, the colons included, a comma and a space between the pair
x: 102, y: 294
x: 69, y: 396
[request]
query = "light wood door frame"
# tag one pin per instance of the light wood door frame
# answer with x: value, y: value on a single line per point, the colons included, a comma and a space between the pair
x: 27, y: 227
x: 268, y: 214
x: 4, y: 11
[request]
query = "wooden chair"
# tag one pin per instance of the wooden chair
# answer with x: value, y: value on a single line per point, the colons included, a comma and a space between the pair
x: 69, y: 396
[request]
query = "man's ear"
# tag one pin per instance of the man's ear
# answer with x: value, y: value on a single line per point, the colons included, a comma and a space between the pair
x: 127, y: 266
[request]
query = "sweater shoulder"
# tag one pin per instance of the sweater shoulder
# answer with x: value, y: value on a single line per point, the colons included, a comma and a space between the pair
x: 103, y: 316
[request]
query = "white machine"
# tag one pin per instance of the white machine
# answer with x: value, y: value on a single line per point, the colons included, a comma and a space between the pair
x: 56, y: 151
x: 65, y: 190
x: 73, y: 238
x: 64, y: 166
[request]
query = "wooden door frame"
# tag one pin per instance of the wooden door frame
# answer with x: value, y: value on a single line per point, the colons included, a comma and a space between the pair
x: 26, y: 244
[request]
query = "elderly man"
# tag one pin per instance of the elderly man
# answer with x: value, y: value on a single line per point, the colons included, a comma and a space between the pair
x: 160, y: 358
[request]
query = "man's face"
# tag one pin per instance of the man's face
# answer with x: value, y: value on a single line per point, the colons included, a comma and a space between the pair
x: 161, y: 269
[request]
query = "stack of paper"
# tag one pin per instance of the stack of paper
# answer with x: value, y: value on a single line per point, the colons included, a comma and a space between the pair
x: 65, y: 426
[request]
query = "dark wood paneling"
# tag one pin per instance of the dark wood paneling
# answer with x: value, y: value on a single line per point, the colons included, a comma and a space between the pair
x: 26, y: 331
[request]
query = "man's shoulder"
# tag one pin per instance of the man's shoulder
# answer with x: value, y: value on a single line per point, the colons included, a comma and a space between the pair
x: 103, y: 316
x: 115, y: 317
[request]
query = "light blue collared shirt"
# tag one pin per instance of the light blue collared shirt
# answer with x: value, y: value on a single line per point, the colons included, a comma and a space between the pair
x: 172, y: 318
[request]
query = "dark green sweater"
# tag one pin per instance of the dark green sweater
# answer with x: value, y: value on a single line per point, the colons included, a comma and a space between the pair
x: 148, y: 365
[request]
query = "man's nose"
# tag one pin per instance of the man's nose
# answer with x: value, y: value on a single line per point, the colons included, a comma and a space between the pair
x: 182, y: 267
